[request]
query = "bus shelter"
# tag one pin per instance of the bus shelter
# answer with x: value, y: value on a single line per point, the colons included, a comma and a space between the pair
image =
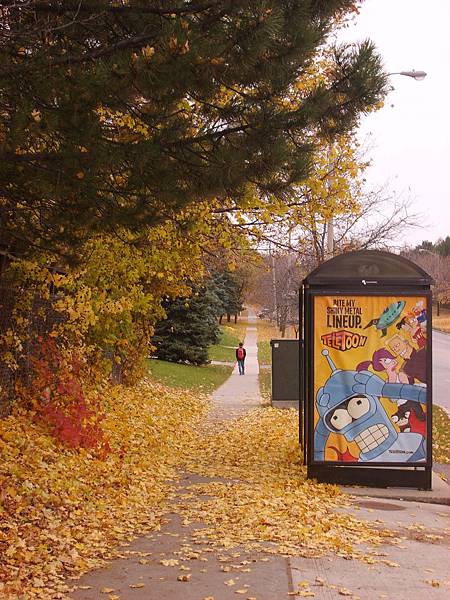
x: 367, y: 371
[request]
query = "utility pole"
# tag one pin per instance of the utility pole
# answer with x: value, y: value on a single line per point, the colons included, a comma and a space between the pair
x: 330, y: 224
x: 274, y: 287
x: 330, y: 237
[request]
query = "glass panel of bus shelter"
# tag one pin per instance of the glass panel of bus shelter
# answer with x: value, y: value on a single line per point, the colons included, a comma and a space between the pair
x: 370, y: 379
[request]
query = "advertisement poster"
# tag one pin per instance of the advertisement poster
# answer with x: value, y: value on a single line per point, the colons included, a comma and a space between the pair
x: 370, y: 379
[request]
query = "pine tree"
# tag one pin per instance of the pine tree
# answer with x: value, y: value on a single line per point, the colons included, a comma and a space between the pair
x: 229, y: 289
x: 190, y: 327
x: 441, y: 246
x: 120, y: 114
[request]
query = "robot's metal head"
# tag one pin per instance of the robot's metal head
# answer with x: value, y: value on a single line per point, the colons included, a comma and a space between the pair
x: 359, y: 417
x: 337, y: 389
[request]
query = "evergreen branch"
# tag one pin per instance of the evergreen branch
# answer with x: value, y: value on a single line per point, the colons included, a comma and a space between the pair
x: 63, y: 7
x: 134, y: 42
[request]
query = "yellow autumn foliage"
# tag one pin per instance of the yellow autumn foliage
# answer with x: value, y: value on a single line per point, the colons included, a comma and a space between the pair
x: 62, y: 511
x: 260, y: 497
x: 108, y: 303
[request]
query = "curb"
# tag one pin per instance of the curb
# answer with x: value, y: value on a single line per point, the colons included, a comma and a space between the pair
x: 400, y: 497
x: 441, y: 331
x: 440, y: 494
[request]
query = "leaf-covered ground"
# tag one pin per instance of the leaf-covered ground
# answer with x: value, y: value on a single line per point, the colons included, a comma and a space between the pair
x: 259, y: 496
x: 441, y: 436
x: 62, y: 512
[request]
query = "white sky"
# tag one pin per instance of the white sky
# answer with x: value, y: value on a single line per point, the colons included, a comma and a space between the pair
x: 411, y: 139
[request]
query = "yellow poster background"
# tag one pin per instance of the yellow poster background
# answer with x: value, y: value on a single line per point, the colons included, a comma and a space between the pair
x: 341, y: 326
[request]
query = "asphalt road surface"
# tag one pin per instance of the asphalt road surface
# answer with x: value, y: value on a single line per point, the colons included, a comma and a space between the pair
x: 441, y: 370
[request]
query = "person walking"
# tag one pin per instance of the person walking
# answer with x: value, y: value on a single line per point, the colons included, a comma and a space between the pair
x: 241, y: 353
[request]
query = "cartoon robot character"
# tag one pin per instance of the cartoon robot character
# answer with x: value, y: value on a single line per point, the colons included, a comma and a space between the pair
x: 390, y: 314
x: 349, y: 404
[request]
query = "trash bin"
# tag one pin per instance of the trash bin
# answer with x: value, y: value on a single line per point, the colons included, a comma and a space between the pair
x: 367, y: 371
x: 286, y: 370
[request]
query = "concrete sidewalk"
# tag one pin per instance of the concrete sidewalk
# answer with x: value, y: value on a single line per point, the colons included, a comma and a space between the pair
x: 172, y: 564
x: 416, y: 568
x: 240, y: 393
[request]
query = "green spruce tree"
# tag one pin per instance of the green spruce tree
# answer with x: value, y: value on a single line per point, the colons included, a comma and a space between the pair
x: 229, y: 289
x: 190, y: 327
x: 120, y: 114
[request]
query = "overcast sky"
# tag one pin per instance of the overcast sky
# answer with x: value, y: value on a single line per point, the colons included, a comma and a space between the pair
x: 410, y: 135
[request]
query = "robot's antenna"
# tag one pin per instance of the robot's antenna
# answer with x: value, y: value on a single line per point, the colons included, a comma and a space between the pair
x: 330, y: 361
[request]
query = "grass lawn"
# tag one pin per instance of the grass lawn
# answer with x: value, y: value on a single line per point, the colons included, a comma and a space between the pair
x: 268, y: 331
x: 236, y: 330
x: 264, y: 353
x: 265, y: 384
x: 204, y: 379
x: 441, y: 436
x: 441, y: 322
x: 224, y: 349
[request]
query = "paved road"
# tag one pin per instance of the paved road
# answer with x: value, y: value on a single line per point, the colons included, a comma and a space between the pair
x: 441, y: 370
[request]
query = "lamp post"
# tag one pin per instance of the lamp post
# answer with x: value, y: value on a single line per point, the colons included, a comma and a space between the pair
x: 418, y: 76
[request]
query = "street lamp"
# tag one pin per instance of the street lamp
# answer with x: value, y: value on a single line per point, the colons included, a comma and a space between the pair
x: 418, y: 76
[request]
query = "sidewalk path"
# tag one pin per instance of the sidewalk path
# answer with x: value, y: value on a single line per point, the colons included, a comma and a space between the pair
x: 415, y: 569
x: 152, y: 567
x: 240, y: 393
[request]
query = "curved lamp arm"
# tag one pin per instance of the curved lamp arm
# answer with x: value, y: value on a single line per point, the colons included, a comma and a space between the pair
x: 417, y: 75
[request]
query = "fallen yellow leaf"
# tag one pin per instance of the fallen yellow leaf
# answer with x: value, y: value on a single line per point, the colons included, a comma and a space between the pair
x: 169, y: 562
